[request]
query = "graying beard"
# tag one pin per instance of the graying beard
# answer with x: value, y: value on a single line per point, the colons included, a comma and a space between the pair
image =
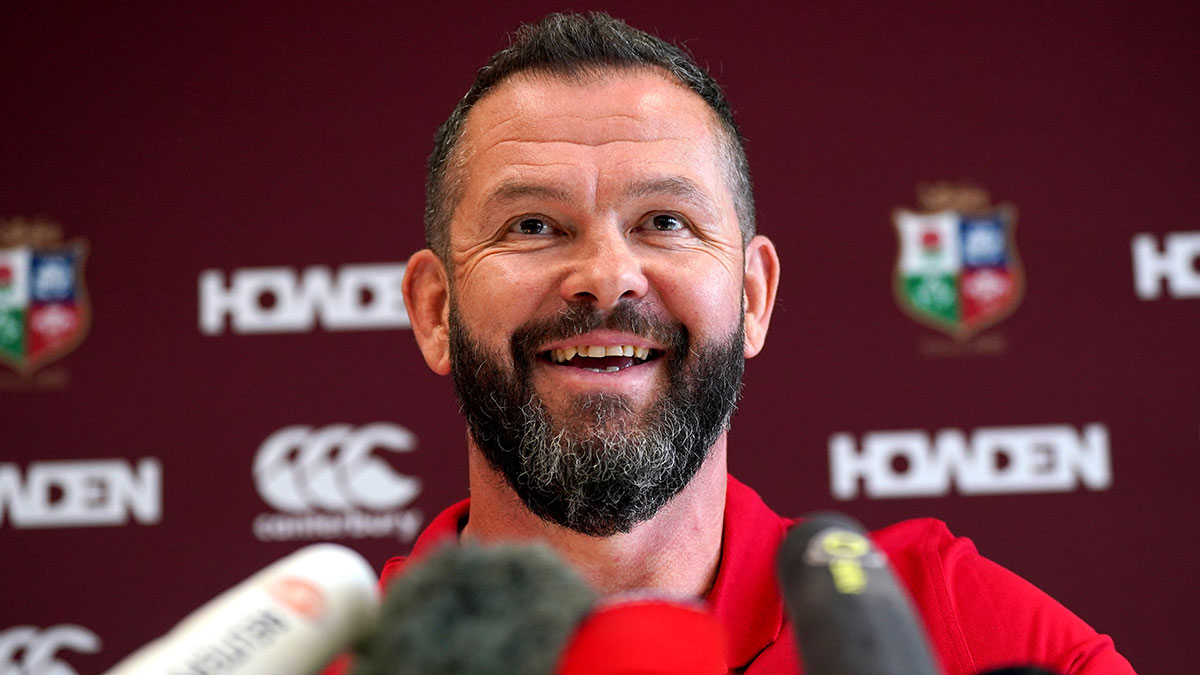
x: 604, y: 467
x: 601, y: 444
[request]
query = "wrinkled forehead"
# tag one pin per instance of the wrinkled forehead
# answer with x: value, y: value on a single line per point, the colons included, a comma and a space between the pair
x: 592, y: 107
x: 642, y: 93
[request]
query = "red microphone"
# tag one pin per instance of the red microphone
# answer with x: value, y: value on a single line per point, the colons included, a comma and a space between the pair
x: 646, y: 635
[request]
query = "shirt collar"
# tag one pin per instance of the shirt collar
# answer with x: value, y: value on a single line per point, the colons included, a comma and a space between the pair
x: 745, y: 596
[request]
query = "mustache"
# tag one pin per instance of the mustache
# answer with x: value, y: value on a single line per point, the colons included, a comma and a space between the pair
x: 577, y: 319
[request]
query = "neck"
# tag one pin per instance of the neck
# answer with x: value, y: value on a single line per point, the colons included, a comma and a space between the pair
x: 676, y: 552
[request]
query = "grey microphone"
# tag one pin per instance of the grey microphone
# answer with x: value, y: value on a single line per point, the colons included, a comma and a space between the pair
x: 850, y: 615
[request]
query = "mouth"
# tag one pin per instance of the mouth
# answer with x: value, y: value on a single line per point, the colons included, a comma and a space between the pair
x: 600, y: 359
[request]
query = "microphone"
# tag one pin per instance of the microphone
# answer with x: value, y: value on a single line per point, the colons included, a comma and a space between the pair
x: 519, y: 610
x: 497, y: 610
x: 850, y: 615
x: 646, y: 635
x: 291, y: 617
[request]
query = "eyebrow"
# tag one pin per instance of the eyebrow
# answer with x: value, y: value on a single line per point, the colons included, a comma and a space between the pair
x: 511, y: 191
x: 672, y: 186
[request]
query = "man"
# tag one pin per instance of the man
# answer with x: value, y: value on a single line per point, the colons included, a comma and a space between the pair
x: 593, y: 283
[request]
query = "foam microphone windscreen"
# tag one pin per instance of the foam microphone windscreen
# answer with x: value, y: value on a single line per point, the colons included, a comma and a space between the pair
x: 472, y: 610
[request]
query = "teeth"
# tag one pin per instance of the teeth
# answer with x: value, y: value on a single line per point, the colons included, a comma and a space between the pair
x: 596, y: 351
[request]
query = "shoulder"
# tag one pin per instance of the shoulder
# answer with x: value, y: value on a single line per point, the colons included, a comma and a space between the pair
x: 980, y: 615
x: 443, y: 529
x: 391, y: 569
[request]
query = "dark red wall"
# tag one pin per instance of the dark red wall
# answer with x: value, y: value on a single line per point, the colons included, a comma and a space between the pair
x: 176, y: 141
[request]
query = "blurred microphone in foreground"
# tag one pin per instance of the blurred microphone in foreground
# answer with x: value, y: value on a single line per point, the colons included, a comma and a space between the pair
x: 646, y: 635
x: 290, y: 618
x: 851, y: 616
x: 519, y: 610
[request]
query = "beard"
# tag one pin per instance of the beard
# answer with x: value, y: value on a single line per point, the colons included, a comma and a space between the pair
x: 598, y: 467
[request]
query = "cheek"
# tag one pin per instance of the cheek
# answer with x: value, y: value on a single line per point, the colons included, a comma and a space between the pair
x: 706, y: 308
x: 496, y: 296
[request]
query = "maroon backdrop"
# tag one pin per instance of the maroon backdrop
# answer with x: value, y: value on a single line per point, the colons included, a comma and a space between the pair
x: 281, y: 147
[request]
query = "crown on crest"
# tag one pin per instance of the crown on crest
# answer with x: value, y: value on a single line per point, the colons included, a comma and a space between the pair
x: 37, y: 232
x: 961, y: 196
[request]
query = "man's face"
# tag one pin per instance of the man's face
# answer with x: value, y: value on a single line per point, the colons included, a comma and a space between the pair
x: 596, y: 295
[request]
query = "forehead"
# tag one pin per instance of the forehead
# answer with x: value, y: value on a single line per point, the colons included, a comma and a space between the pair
x: 606, y: 123
x: 647, y: 100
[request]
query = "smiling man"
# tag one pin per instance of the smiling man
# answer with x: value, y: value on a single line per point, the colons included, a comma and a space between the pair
x: 593, y: 283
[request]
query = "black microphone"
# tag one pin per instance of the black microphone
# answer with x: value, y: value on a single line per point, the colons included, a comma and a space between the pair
x: 850, y: 615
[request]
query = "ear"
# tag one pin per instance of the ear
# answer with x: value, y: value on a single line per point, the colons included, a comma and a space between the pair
x: 758, y: 296
x: 427, y: 297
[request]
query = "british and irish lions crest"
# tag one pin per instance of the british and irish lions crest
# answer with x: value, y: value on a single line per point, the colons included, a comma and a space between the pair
x: 44, y: 312
x: 957, y: 269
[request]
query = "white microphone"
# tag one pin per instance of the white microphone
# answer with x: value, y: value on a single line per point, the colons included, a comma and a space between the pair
x: 291, y: 618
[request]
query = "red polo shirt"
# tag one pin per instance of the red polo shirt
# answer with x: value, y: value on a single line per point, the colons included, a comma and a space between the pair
x: 978, y: 615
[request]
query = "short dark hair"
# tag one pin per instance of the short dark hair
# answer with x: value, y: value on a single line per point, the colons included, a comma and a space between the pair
x: 572, y: 45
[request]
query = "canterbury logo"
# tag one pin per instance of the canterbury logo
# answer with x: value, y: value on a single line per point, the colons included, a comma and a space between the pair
x: 333, y: 468
x: 37, y: 649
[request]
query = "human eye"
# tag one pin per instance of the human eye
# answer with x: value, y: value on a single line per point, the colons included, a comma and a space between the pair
x: 531, y: 225
x: 665, y: 222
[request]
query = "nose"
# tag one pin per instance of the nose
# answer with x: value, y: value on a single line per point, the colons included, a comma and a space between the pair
x: 604, y: 269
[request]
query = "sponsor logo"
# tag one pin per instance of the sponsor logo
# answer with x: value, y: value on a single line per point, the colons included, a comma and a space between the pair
x: 26, y: 650
x: 299, y: 595
x: 85, y: 493
x: 44, y: 313
x: 845, y: 553
x: 330, y: 483
x: 1175, y: 262
x: 284, y: 300
x: 957, y: 268
x: 996, y: 460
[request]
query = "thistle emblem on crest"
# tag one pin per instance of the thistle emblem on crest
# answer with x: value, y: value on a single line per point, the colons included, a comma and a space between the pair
x: 44, y: 312
x: 957, y: 269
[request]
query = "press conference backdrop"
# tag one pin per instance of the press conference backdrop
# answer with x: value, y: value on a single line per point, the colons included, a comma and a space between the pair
x: 989, y: 310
